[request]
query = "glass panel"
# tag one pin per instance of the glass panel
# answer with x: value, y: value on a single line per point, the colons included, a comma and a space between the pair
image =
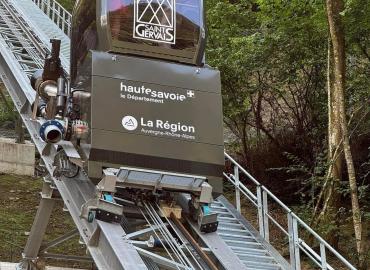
x: 151, y: 22
x: 188, y: 23
x: 84, y: 35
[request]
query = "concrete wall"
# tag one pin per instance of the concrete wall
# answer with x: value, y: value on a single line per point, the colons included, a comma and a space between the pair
x: 13, y: 266
x: 17, y: 158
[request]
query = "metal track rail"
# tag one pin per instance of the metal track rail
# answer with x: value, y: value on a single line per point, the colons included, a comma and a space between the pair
x: 48, y: 20
x: 19, y: 58
x: 24, y: 45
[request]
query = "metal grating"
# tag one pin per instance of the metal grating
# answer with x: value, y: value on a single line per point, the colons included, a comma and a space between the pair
x: 43, y: 26
x: 239, y: 235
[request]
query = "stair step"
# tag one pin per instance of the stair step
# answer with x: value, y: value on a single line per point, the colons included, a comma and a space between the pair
x: 221, y: 207
x: 263, y: 268
x: 259, y: 258
x: 260, y: 265
x: 223, y: 214
x: 226, y: 226
x: 227, y: 219
x: 237, y: 243
x: 236, y: 237
x: 246, y: 250
x: 233, y: 230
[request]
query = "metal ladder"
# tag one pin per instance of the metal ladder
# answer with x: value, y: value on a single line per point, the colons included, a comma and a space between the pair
x: 243, y: 239
x: 33, y: 13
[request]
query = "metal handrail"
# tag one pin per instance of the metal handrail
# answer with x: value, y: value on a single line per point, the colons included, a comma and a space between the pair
x: 296, y: 244
x: 57, y: 13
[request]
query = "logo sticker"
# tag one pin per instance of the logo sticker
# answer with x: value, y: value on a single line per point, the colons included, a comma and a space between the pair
x: 154, y: 95
x: 155, y: 20
x: 130, y: 123
x: 158, y: 127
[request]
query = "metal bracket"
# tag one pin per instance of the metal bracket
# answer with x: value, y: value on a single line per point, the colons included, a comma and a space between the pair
x: 102, y: 210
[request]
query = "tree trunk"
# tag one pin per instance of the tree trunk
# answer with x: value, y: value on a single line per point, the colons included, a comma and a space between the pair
x: 327, y: 204
x: 330, y: 196
x: 335, y: 146
x: 334, y: 7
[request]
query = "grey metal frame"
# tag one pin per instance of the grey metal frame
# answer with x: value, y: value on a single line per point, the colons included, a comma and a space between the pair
x: 260, y: 199
x: 34, y: 248
x: 20, y: 54
x: 106, y: 251
x: 266, y: 258
x: 57, y: 13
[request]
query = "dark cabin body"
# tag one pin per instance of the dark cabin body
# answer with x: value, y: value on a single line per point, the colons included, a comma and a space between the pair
x: 152, y: 104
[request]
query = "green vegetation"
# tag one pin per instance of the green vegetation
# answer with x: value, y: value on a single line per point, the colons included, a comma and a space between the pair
x: 68, y: 4
x: 5, y: 115
x: 6, y: 108
x: 19, y: 198
x: 273, y: 57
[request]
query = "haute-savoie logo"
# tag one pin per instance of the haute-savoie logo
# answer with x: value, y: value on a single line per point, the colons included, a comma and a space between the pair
x: 155, y: 20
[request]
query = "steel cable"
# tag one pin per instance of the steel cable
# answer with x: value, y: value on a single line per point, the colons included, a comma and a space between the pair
x: 157, y: 220
x: 173, y: 241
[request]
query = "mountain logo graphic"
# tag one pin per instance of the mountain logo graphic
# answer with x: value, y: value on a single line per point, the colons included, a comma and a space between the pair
x: 129, y: 123
x: 155, y: 20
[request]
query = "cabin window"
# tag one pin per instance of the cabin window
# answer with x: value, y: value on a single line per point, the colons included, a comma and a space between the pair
x: 84, y: 35
x: 171, y: 24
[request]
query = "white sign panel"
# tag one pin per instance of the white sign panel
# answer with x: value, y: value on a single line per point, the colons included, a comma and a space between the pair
x: 155, y: 20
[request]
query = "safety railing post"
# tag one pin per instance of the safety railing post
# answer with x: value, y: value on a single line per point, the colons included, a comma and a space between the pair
x: 291, y: 242
x: 295, y: 258
x: 324, y: 265
x: 63, y: 21
x: 260, y: 210
x: 237, y: 188
x: 265, y: 215
x: 48, y: 7
x: 53, y: 13
x: 296, y: 244
x: 42, y: 5
x: 58, y: 15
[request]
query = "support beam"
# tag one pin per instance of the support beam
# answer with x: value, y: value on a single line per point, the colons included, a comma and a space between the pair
x: 39, y: 226
x: 59, y: 240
